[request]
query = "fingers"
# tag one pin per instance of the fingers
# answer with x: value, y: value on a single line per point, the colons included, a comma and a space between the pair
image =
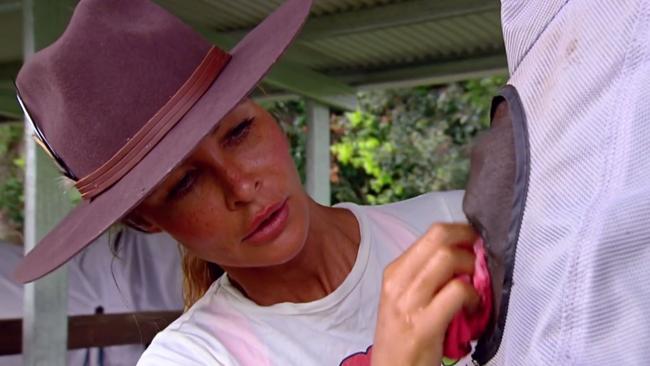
x: 444, y: 264
x: 452, y: 297
x: 446, y: 234
x: 419, y: 296
x: 438, y: 236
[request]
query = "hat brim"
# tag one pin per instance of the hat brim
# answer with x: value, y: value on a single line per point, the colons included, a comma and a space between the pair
x: 251, y: 60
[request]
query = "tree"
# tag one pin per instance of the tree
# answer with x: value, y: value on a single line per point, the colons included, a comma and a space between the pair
x: 11, y: 178
x: 405, y: 142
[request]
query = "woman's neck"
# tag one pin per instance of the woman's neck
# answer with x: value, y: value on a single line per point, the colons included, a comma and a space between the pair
x: 325, y: 261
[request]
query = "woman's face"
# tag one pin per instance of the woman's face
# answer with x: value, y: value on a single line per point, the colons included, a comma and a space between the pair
x: 237, y: 199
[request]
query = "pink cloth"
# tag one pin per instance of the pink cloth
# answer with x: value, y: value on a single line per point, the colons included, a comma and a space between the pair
x: 466, y: 327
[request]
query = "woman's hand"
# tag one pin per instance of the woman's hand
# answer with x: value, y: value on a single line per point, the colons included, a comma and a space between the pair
x: 420, y: 296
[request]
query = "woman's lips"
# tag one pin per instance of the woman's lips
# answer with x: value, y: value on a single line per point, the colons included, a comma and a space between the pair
x: 269, y: 224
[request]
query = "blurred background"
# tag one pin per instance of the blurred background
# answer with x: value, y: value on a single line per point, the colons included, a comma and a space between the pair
x: 381, y: 100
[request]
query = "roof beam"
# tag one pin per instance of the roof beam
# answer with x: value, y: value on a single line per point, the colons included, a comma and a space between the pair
x: 10, y: 7
x: 430, y: 74
x: 9, y: 70
x: 391, y: 15
x: 9, y: 106
x: 299, y: 79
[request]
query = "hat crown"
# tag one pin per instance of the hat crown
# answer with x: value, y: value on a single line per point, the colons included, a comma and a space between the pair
x: 117, y: 63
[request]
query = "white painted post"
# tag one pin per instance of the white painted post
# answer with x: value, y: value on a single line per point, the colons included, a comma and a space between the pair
x: 45, y: 322
x: 318, y: 152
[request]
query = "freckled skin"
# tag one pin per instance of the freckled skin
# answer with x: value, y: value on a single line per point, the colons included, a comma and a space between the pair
x: 234, y: 181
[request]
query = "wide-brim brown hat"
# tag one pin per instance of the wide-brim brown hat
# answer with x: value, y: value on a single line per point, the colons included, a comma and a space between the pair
x: 123, y: 96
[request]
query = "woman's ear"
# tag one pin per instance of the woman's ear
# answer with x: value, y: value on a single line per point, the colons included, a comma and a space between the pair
x: 140, y: 223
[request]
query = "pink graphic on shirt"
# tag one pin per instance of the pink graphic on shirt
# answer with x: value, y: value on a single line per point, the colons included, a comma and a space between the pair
x: 358, y: 359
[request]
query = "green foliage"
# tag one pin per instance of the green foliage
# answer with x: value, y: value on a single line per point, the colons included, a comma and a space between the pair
x: 10, y: 136
x: 361, y: 138
x: 11, y: 201
x: 11, y: 174
x: 402, y: 143
x: 12, y: 167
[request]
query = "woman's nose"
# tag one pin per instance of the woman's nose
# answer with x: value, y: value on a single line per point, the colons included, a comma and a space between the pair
x: 241, y: 187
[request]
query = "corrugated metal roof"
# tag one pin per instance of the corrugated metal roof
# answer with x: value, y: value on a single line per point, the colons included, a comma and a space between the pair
x: 222, y: 15
x: 371, y: 42
x: 225, y: 15
x: 444, y: 39
x: 463, y: 34
x: 360, y: 42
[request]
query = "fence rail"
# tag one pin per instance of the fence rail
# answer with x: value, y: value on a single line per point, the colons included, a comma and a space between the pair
x: 102, y: 330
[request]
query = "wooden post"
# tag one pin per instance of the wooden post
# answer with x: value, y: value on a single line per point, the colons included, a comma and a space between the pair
x: 318, y: 152
x: 45, y: 325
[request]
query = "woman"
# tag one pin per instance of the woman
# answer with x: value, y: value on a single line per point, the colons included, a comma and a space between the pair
x: 153, y: 125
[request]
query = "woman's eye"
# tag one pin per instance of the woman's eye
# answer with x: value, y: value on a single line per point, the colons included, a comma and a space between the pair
x: 239, y: 132
x: 184, y: 185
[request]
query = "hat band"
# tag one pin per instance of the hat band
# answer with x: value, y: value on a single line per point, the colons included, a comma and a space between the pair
x: 156, y: 128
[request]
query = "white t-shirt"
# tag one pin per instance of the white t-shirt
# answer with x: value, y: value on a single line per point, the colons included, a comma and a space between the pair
x: 226, y: 328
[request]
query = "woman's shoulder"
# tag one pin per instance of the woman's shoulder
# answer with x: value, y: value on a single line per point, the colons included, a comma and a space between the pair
x: 445, y: 204
x: 180, y: 347
x: 422, y: 211
x: 190, y: 339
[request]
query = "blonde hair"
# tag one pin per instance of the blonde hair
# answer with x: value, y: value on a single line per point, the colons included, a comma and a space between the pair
x: 198, y: 275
